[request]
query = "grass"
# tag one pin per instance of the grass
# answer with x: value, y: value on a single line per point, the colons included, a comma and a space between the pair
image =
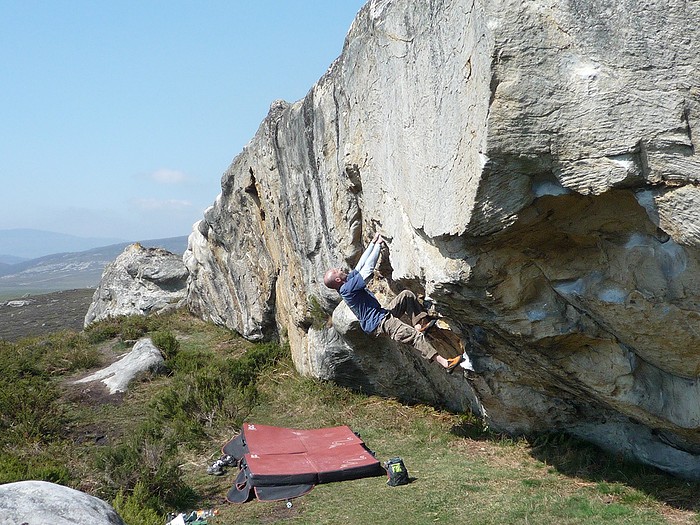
x: 147, y: 451
x: 481, y: 479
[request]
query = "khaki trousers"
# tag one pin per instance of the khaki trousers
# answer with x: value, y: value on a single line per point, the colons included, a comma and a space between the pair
x: 406, y: 303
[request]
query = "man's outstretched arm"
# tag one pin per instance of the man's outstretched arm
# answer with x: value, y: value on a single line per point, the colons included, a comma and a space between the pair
x: 369, y: 258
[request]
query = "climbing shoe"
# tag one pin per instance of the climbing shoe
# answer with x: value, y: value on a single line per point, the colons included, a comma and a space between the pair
x: 452, y: 363
x: 217, y: 468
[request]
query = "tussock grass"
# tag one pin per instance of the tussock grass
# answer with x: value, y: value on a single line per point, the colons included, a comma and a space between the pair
x: 147, y: 450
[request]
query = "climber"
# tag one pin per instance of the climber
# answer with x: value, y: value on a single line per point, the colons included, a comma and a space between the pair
x: 385, y: 321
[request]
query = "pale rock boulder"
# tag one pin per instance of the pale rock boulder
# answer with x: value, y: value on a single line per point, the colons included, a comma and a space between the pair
x: 140, y: 281
x: 533, y: 166
x: 143, y: 357
x: 42, y: 503
x: 19, y: 303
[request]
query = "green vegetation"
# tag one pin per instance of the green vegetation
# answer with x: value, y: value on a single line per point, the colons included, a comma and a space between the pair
x: 167, y: 343
x: 147, y: 451
x: 318, y: 317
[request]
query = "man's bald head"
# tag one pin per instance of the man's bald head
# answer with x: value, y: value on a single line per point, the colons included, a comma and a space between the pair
x: 334, y: 278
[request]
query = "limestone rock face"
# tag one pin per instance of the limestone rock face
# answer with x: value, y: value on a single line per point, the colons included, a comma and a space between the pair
x: 140, y: 281
x: 533, y: 166
x: 40, y: 502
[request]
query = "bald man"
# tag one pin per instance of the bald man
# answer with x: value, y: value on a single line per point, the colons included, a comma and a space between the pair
x: 385, y: 321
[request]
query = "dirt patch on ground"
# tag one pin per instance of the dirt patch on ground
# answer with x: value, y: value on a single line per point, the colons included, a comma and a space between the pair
x: 34, y: 315
x: 92, y: 394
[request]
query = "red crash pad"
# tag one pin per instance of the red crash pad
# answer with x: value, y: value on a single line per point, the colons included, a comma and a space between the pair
x: 281, y: 463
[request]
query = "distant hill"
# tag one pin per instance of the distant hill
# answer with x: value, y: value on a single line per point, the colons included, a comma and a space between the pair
x: 26, y: 243
x: 6, y: 259
x: 71, y: 270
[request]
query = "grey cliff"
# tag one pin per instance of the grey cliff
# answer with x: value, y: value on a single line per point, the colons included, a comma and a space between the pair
x: 533, y: 166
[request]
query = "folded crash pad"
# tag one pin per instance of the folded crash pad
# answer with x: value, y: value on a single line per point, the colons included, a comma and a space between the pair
x: 279, y: 463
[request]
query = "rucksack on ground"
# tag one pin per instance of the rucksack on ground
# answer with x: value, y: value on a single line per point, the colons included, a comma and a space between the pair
x: 396, y: 472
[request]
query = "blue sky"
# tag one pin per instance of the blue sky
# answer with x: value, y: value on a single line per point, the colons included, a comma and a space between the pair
x: 118, y: 118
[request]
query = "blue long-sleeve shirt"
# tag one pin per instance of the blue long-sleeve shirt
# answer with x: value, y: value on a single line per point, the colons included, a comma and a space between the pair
x: 361, y: 301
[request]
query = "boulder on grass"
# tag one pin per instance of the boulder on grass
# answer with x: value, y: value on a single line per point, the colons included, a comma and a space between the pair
x: 140, y: 281
x: 42, y: 503
x: 144, y: 357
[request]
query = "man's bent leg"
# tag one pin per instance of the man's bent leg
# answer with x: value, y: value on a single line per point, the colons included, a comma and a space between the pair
x: 403, y: 333
x: 407, y: 303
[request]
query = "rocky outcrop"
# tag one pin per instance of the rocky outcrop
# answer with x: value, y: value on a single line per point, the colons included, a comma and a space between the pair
x: 143, y: 357
x: 40, y: 502
x: 140, y: 281
x: 533, y: 167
